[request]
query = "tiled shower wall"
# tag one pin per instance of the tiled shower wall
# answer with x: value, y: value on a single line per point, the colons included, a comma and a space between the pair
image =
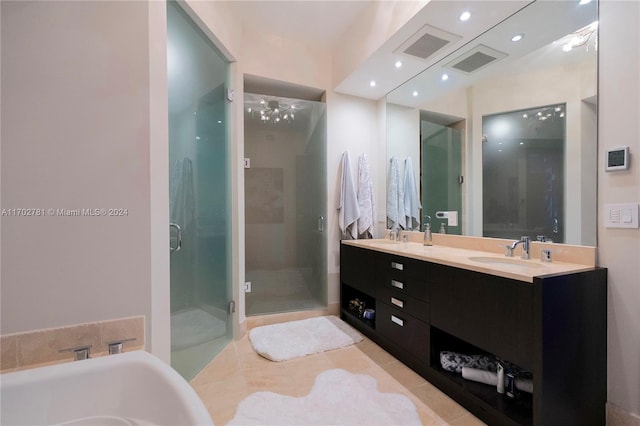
x: 44, y: 347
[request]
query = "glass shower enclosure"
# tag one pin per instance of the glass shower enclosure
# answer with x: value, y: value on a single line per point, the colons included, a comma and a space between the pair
x: 285, y: 204
x: 199, y: 191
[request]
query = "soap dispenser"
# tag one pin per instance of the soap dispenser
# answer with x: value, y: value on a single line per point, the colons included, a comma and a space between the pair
x: 443, y: 230
x: 427, y: 233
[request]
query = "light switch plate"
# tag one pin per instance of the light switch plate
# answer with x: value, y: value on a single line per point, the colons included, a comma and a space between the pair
x: 621, y: 215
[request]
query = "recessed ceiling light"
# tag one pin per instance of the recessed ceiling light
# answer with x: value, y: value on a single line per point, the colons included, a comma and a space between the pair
x: 398, y: 64
x: 517, y: 37
x: 465, y: 15
x: 372, y: 83
x: 415, y: 93
x: 583, y: 2
x: 445, y: 77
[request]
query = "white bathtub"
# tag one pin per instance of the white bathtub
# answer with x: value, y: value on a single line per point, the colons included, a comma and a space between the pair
x: 133, y: 388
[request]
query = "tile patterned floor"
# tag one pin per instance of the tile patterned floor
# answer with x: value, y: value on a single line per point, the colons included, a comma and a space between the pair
x: 238, y: 371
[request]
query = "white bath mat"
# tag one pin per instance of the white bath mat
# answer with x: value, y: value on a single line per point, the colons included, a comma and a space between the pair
x: 338, y: 397
x: 288, y: 340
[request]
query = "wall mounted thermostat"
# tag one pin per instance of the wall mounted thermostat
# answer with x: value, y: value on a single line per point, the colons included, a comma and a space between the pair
x: 617, y: 159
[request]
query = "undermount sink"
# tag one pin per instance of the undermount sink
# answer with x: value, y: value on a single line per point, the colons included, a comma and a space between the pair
x: 506, y: 261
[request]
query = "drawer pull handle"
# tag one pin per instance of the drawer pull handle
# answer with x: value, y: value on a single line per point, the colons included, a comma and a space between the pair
x: 398, y: 266
x: 397, y: 284
x: 397, y: 320
x: 399, y: 303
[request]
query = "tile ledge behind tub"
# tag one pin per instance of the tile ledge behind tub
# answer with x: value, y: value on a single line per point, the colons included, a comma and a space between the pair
x: 39, y: 348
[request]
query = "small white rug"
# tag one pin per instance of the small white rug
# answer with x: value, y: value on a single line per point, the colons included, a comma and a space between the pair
x: 288, y: 340
x: 338, y: 397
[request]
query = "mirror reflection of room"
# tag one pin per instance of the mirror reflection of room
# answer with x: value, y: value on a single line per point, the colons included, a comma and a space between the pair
x: 544, y: 56
x: 522, y: 173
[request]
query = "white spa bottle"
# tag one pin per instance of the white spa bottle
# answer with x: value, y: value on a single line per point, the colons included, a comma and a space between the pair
x: 500, y: 386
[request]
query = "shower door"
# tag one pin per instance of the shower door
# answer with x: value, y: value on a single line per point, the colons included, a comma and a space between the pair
x: 285, y: 204
x: 199, y: 196
x: 441, y: 173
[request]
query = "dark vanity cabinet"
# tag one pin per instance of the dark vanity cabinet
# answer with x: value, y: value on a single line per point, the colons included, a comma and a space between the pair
x: 554, y: 328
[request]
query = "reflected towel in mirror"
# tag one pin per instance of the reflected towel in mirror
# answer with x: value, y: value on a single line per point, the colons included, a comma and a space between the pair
x: 395, y: 197
x: 412, y: 204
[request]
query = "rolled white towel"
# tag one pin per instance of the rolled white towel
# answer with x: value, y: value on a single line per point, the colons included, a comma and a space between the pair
x: 491, y: 378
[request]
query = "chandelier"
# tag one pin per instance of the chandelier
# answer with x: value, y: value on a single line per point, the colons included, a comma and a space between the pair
x: 273, y: 111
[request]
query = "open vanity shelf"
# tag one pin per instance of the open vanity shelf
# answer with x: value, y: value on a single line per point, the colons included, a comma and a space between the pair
x: 554, y: 327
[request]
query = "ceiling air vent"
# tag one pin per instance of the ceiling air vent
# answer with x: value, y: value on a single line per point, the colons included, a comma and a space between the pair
x: 476, y: 59
x: 426, y: 42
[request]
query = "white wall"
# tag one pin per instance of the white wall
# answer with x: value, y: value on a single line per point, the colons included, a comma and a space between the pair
x: 619, y: 250
x: 75, y: 134
x: 352, y: 125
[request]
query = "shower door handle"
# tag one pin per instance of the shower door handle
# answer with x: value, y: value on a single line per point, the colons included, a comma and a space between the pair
x: 178, y: 238
x: 321, y: 223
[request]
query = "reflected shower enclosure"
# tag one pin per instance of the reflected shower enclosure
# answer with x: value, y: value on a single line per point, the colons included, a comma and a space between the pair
x: 285, y: 204
x: 441, y: 166
x: 523, y: 161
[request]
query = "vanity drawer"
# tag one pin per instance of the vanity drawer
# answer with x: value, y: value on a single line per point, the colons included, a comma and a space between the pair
x: 404, y: 303
x: 406, y: 331
x: 409, y: 286
x: 403, y: 266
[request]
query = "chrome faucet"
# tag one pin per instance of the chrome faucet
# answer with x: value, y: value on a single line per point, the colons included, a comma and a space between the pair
x: 525, y: 247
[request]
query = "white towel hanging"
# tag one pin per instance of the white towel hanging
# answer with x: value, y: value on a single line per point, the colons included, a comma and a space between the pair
x: 348, y: 211
x: 412, y: 204
x: 365, y: 199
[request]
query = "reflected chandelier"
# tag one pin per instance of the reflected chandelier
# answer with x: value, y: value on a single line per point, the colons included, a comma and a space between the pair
x: 580, y: 38
x: 273, y: 112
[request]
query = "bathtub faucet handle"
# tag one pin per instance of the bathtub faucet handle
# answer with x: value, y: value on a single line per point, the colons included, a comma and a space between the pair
x: 79, y: 353
x: 117, y: 346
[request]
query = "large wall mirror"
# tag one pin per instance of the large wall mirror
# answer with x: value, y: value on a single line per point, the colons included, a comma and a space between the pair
x: 505, y: 128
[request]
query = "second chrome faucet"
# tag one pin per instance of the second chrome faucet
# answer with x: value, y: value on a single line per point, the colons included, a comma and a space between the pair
x: 525, y: 241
